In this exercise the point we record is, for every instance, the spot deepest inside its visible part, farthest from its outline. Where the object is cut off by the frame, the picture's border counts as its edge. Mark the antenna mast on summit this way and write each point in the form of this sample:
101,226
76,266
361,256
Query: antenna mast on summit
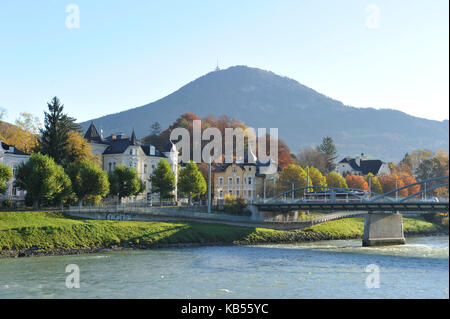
217,65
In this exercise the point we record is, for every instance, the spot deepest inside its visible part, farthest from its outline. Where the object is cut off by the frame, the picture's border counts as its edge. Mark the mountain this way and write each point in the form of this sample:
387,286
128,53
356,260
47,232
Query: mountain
303,116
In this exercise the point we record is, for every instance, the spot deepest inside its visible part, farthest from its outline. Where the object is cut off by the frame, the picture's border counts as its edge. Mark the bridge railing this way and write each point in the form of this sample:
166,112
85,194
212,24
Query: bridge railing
183,212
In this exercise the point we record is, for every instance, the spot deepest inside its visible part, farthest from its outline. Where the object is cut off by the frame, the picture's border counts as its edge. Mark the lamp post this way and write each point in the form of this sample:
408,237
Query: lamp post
209,185
396,191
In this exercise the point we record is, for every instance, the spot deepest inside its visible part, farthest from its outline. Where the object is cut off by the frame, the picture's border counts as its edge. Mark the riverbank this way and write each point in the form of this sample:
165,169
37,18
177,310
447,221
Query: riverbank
48,233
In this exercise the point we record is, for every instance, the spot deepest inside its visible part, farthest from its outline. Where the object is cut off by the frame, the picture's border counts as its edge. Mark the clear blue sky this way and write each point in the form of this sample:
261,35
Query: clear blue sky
129,53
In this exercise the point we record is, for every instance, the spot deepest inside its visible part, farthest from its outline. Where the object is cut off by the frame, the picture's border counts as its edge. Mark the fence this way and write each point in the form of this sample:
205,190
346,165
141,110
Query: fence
199,212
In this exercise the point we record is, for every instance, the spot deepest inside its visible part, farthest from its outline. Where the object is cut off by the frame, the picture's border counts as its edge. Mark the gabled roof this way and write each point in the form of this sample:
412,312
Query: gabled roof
365,166
146,150
8,149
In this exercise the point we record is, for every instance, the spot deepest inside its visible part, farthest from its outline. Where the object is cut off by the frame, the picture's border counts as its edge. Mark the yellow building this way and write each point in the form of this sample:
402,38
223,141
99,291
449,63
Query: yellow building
240,179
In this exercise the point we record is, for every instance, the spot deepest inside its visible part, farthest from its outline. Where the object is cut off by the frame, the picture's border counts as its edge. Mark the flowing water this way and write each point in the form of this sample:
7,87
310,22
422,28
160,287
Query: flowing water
327,269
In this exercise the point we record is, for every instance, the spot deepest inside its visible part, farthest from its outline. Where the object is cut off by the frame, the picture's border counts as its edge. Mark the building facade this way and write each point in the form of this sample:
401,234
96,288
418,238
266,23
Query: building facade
240,179
362,165
120,149
12,157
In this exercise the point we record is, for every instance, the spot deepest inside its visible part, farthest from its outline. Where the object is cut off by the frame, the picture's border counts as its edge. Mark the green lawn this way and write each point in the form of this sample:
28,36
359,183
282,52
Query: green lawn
354,227
49,231
45,231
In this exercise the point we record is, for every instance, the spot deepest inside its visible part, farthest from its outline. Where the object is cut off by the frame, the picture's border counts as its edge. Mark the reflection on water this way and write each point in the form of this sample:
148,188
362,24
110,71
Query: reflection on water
328,269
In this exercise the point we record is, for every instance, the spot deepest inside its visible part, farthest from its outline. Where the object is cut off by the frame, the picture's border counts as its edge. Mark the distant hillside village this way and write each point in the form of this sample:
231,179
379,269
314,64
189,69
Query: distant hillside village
240,179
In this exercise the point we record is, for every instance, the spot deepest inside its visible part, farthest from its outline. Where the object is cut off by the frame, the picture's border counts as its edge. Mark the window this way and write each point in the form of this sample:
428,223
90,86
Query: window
220,194
250,169
14,191
238,180
233,169
109,168
237,193
145,168
220,181
230,192
249,181
250,194
131,152
230,180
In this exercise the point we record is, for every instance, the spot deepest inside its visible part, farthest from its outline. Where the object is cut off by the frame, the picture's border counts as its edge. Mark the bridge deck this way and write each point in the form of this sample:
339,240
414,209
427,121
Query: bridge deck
360,206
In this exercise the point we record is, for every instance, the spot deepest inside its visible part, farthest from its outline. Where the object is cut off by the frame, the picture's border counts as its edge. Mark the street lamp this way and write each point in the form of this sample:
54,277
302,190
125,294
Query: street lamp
209,185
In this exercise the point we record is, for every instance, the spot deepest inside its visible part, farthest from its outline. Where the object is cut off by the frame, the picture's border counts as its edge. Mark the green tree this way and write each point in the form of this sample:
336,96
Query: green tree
42,178
329,149
5,175
55,134
124,182
88,180
163,180
336,180
191,182
317,178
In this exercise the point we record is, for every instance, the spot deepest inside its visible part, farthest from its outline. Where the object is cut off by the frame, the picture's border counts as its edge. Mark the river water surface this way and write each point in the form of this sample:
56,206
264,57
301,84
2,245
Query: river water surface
327,269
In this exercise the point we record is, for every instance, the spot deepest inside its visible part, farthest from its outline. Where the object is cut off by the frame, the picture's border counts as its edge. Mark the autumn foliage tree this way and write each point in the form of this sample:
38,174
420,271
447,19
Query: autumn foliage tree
293,176
317,178
356,182
391,182
374,183
406,179
336,180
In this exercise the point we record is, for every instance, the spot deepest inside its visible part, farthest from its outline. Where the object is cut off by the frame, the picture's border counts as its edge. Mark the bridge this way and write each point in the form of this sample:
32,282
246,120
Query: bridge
383,213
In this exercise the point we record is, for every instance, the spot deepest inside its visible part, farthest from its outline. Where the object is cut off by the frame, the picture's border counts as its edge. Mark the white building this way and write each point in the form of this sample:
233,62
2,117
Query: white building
12,157
362,165
120,149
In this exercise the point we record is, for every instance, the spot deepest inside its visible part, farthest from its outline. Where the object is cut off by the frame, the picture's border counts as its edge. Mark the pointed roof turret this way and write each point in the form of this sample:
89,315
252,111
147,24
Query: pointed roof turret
92,134
133,139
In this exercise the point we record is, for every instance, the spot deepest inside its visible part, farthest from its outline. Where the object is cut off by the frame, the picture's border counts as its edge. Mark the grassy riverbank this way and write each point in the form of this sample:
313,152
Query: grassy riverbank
41,233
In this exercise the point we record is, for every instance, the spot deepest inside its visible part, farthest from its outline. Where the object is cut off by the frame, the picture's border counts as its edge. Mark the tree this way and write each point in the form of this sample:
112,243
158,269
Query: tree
163,180
374,183
42,178
312,157
124,182
14,135
329,149
155,129
317,178
191,182
406,179
78,149
293,176
88,180
429,168
30,125
356,182
5,175
55,135
391,182
336,180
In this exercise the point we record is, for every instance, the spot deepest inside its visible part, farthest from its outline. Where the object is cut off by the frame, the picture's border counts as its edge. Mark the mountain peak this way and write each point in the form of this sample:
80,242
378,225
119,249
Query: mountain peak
263,99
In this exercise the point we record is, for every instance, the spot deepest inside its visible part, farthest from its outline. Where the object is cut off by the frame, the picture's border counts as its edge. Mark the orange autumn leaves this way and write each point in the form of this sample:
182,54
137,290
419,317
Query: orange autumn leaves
387,182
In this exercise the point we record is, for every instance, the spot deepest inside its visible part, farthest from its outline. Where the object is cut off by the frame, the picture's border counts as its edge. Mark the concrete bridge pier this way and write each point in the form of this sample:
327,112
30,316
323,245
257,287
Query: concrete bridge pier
382,228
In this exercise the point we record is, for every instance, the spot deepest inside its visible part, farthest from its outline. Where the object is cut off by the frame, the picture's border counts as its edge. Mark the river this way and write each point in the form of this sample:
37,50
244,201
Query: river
327,269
